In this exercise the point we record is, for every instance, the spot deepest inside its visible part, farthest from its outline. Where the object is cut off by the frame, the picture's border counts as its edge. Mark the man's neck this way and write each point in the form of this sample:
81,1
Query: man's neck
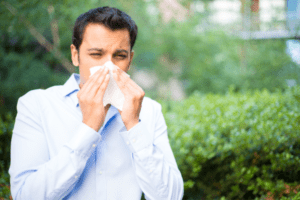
106,108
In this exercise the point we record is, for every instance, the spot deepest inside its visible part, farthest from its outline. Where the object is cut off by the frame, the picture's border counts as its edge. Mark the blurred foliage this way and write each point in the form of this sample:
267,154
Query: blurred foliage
6,127
212,61
24,70
240,146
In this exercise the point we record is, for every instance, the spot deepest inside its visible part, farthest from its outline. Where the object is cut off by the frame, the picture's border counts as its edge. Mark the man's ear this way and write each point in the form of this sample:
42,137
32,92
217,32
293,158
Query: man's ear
74,55
131,56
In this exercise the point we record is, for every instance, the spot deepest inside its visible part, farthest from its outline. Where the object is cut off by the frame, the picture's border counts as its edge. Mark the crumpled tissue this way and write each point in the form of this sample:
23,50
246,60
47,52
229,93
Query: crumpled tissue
113,94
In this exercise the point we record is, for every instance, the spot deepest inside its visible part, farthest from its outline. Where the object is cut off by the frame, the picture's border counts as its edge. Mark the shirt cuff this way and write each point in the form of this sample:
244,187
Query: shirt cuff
85,141
137,138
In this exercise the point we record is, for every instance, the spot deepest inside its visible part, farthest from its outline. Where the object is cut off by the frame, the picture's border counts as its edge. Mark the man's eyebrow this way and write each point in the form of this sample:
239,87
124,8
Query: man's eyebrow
121,50
95,49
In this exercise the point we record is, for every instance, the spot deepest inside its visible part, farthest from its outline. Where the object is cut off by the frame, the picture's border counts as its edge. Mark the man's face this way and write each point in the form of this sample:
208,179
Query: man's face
99,45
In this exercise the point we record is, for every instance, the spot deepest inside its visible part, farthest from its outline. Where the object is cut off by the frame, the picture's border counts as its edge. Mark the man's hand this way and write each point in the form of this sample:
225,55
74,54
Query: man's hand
133,94
90,99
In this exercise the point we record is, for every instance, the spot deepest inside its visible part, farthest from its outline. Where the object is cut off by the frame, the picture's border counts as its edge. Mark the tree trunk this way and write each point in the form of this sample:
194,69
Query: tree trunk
255,21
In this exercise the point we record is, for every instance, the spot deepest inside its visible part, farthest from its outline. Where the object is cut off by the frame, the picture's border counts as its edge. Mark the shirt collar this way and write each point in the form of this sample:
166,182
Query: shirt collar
71,87
112,111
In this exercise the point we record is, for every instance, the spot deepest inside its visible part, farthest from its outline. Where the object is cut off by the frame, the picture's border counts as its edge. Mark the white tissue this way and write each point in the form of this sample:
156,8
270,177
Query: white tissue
113,94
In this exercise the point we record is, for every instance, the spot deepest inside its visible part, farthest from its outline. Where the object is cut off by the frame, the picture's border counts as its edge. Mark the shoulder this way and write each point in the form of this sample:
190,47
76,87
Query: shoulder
150,104
151,115
30,96
39,96
150,110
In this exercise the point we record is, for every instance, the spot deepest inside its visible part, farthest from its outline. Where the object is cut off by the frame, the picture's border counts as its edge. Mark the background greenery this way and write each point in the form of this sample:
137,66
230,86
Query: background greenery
238,138
239,146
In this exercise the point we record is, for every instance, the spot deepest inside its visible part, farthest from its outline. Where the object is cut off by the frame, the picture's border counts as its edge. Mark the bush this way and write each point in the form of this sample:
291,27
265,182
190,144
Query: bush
24,70
240,146
6,126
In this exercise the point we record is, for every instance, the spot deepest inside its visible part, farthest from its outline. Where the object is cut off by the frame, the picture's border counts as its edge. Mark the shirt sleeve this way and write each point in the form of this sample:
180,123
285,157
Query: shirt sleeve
155,165
33,175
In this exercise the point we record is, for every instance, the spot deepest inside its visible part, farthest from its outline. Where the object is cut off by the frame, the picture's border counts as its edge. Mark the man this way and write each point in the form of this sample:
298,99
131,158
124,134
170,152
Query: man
67,145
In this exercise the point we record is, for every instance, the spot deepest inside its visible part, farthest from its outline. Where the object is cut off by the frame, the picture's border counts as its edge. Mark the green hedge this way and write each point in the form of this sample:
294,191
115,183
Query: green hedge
6,126
233,146
238,146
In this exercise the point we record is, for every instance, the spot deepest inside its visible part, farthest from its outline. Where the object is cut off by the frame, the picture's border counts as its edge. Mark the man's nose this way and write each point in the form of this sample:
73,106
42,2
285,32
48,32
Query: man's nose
107,58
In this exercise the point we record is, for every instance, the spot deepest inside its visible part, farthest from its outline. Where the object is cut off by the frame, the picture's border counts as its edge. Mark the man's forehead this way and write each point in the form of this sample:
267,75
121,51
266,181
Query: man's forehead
100,33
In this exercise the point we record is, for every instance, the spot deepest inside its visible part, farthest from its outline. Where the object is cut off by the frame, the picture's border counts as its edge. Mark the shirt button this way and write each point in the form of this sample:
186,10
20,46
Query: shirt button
76,177
150,170
100,172
94,145
133,140
127,143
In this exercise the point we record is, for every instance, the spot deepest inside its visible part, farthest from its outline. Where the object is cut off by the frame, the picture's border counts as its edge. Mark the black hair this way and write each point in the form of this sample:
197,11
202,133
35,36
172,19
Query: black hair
111,18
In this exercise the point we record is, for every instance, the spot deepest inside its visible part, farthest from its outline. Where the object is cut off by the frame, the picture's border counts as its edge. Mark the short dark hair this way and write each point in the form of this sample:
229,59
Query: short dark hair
111,18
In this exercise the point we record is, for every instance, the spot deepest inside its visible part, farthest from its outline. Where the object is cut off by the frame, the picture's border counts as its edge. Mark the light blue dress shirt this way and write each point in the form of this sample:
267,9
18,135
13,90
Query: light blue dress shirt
56,156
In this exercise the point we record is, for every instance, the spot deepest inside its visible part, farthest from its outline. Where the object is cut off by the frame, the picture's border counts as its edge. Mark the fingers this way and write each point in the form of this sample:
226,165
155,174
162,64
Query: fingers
92,85
125,83
121,80
101,90
128,81
88,85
